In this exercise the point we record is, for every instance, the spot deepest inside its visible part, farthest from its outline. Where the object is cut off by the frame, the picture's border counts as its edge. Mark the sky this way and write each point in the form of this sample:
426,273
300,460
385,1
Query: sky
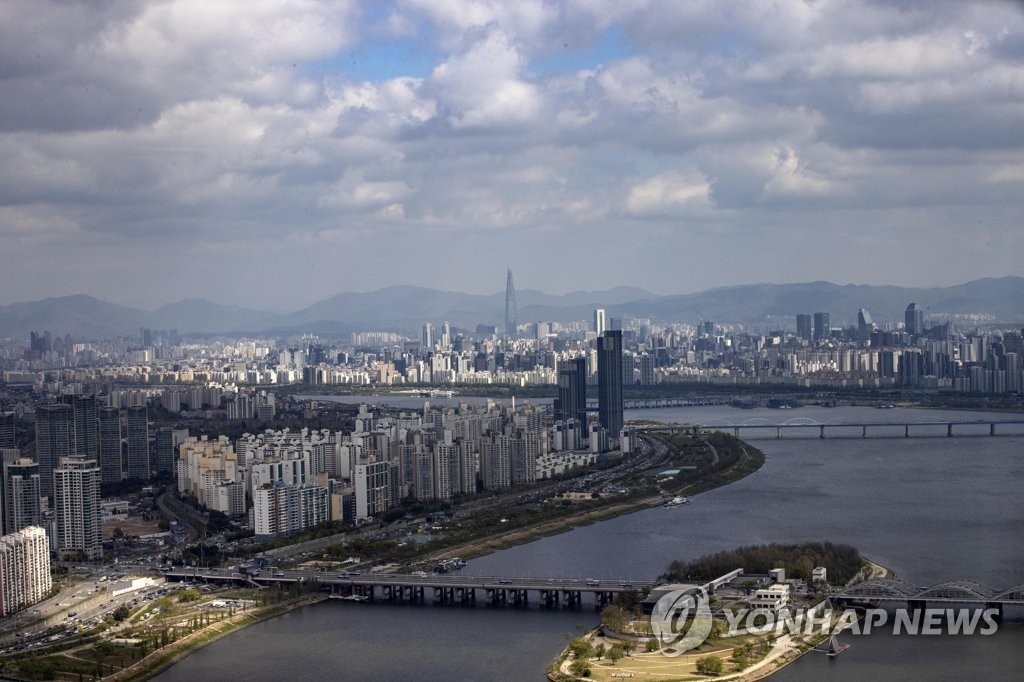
272,153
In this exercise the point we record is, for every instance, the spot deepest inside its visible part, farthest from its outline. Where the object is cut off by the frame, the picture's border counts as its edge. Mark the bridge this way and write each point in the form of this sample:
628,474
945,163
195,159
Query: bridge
433,588
958,592
655,403
909,428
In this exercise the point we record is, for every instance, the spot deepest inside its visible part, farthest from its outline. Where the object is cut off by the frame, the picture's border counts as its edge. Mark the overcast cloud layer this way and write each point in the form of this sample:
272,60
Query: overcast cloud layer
272,152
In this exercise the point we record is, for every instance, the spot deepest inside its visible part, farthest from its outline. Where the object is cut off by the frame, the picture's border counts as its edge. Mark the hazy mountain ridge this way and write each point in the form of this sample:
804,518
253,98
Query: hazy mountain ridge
408,307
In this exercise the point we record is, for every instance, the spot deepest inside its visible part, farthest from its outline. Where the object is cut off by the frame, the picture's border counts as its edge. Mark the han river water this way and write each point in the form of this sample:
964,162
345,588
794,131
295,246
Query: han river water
929,507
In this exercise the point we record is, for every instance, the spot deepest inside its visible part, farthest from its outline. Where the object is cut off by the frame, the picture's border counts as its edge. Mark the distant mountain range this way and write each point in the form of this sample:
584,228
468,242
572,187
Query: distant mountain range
406,308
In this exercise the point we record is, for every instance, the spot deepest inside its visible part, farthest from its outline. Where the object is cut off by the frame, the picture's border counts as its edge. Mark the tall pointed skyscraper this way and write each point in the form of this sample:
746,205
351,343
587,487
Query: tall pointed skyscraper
510,306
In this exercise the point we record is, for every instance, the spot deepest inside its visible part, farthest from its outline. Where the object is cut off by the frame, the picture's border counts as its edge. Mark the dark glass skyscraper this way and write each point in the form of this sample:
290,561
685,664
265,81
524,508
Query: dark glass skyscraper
8,437
913,320
572,391
138,443
804,328
609,381
53,441
822,326
110,444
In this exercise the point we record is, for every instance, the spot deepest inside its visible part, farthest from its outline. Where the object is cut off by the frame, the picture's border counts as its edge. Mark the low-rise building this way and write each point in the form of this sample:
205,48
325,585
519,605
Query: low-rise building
772,599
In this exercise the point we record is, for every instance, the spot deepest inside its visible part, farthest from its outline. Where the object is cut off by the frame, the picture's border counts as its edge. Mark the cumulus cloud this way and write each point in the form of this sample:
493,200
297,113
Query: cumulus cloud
669,194
201,130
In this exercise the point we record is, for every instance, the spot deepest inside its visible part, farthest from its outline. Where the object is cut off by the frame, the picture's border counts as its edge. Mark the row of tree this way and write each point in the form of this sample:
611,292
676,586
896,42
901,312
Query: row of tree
842,562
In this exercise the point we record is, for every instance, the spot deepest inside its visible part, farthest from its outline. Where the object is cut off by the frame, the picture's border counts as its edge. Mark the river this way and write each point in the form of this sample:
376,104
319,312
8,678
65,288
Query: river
931,508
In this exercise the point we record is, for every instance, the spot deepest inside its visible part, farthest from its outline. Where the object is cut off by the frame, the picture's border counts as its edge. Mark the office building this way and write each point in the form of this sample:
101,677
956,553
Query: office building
53,442
600,321
913,320
609,382
804,327
21,495
76,493
822,326
24,569
110,442
8,436
166,445
137,432
511,314
572,390
864,325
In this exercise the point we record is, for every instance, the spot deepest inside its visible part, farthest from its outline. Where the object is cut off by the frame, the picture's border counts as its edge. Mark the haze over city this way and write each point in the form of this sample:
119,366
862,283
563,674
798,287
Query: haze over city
270,155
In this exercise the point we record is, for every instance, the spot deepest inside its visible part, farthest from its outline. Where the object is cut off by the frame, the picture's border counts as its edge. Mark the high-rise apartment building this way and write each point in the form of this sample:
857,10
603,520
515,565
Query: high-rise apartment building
76,493
572,390
84,433
21,491
24,569
280,509
609,382
110,438
137,432
373,489
53,442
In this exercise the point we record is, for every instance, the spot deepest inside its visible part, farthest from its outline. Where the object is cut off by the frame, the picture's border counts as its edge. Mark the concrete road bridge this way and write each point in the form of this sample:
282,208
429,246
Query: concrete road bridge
433,588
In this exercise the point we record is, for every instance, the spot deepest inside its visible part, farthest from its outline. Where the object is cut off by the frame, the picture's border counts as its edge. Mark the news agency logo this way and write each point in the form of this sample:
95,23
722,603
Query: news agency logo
681,620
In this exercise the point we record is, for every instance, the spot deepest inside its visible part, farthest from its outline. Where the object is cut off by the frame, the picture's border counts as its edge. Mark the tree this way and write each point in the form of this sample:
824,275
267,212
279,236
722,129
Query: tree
579,668
615,617
581,648
709,665
615,653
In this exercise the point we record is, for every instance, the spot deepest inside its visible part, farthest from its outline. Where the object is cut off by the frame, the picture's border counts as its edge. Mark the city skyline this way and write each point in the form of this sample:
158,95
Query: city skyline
350,146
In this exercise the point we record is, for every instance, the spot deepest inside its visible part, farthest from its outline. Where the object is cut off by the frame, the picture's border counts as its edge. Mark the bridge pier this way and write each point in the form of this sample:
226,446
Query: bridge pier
949,430
736,432
864,432
496,597
573,598
550,598
992,429
906,430
822,431
602,599
778,433
520,598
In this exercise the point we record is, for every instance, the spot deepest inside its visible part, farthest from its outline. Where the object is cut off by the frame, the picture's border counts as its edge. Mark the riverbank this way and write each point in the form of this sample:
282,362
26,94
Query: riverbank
158,661
748,463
